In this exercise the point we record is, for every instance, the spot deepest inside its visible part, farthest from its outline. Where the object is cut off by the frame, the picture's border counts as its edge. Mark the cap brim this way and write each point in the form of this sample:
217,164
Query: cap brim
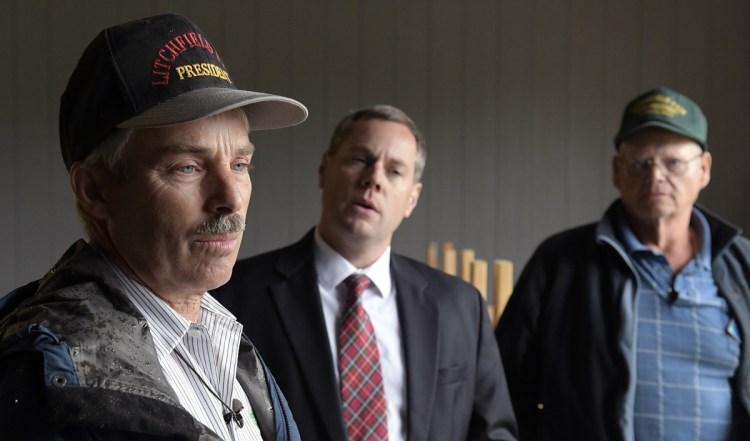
664,125
264,111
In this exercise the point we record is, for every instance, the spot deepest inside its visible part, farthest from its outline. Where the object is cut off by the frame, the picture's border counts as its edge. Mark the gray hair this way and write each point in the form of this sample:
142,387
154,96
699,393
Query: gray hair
110,155
383,112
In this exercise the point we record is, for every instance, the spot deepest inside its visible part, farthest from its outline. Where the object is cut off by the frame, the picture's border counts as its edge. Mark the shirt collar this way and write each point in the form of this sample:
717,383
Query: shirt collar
697,221
168,327
703,232
333,268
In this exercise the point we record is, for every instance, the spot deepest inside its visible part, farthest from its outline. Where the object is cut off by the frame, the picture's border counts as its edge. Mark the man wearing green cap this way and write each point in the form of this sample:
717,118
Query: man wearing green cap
636,327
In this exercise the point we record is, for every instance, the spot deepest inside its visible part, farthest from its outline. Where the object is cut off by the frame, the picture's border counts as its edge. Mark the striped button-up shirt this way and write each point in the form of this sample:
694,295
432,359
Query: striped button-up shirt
199,360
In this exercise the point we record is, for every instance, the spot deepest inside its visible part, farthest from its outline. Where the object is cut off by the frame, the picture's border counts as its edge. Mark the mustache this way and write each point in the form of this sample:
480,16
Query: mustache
233,223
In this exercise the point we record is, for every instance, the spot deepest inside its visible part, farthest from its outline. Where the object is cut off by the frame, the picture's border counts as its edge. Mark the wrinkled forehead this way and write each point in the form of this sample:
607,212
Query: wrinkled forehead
227,131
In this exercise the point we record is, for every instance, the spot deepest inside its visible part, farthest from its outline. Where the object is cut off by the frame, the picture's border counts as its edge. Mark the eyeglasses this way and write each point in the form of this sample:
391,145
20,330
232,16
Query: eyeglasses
669,166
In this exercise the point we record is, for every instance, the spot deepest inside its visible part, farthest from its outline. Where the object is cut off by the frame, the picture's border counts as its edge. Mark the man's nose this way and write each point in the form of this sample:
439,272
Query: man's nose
657,170
226,191
373,176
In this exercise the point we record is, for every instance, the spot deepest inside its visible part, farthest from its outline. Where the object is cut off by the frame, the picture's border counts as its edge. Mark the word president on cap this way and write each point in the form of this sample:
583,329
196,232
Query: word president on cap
120,340
636,327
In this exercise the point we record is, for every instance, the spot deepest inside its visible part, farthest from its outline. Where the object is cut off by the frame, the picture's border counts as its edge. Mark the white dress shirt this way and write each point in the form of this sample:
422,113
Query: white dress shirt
208,352
379,301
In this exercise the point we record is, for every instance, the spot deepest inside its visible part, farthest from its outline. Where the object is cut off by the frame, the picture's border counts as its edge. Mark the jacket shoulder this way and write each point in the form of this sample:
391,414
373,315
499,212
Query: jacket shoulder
259,264
575,236
273,264
742,245
409,266
419,272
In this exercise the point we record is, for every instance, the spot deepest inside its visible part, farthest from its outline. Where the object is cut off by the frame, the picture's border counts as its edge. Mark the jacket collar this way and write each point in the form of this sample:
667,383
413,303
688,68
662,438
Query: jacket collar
722,232
420,320
82,284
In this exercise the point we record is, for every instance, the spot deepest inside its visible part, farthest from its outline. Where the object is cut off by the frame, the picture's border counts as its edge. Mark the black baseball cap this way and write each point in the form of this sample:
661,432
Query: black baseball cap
155,72
665,108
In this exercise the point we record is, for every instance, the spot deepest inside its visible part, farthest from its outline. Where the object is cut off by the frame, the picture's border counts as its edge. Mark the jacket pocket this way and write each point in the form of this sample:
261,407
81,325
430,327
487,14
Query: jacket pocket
450,375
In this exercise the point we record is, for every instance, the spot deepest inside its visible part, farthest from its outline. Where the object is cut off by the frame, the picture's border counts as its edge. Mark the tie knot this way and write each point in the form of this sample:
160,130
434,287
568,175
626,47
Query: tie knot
356,284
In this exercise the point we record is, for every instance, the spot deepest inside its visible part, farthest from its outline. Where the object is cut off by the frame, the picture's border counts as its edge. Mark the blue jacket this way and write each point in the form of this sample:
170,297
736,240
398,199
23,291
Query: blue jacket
567,335
77,362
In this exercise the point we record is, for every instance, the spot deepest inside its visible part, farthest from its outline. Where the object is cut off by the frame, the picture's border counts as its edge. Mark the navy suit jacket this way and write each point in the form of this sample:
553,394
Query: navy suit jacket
456,388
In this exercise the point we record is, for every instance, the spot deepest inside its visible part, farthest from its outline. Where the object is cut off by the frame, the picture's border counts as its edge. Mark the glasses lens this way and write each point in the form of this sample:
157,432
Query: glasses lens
638,167
671,166
675,166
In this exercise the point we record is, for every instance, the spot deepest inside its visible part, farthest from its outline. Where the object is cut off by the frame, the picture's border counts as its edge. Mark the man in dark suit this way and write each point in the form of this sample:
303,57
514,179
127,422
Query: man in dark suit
437,371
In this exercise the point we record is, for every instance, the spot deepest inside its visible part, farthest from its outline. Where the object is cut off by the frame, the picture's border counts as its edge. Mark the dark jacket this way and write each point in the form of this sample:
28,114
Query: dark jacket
567,338
77,362
455,385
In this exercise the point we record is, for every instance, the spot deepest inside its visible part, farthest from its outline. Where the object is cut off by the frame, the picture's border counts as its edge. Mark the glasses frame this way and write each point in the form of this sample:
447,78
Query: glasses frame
674,167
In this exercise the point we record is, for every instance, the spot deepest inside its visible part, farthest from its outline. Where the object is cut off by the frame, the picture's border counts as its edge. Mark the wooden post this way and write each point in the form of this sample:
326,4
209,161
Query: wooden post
467,256
449,258
432,254
479,280
479,276
502,286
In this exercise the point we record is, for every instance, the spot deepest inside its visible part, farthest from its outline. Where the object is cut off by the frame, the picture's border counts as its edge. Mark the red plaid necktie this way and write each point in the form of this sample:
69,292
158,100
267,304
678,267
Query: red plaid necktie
362,396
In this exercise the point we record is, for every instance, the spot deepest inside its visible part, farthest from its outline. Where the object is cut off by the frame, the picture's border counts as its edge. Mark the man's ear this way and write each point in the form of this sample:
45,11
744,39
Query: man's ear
89,186
416,190
616,172
706,161
322,168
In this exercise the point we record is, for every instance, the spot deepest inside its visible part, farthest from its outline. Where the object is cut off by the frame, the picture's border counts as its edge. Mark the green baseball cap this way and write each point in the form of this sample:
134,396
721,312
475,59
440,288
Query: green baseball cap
665,108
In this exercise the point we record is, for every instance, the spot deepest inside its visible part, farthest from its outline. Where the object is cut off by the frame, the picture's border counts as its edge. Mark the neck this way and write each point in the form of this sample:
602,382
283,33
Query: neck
187,305
672,237
359,252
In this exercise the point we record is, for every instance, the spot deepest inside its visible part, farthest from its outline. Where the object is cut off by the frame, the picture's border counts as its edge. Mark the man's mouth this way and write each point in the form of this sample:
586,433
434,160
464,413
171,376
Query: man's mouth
366,205
226,241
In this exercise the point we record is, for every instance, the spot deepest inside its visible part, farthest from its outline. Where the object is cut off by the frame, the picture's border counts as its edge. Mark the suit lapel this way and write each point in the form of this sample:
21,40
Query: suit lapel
298,302
418,316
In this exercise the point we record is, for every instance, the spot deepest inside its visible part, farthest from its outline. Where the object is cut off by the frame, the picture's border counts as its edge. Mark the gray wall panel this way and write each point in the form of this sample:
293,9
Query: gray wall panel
519,101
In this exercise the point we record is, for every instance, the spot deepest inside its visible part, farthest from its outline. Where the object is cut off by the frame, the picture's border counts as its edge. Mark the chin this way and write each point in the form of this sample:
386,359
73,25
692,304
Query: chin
213,284
212,277
654,215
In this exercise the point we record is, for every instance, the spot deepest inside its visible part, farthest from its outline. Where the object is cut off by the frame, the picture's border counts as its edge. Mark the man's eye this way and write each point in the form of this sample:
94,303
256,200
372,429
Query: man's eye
187,169
242,166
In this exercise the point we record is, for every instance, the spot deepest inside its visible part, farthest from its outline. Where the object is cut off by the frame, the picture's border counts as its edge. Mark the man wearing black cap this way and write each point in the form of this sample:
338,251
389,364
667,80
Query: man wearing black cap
120,340
636,327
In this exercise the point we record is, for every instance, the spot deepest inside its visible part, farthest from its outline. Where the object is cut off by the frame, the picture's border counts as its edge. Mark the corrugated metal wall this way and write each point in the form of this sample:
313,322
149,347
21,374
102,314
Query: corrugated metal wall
519,100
